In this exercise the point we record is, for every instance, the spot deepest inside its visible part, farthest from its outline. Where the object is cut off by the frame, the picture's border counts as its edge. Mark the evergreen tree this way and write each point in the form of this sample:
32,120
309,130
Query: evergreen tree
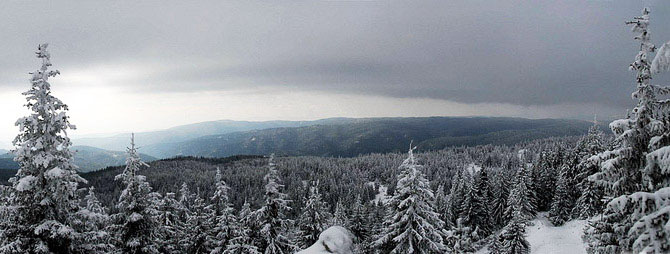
272,221
359,223
224,219
171,228
457,196
476,205
198,228
442,203
460,238
241,243
521,199
134,226
340,217
636,171
44,188
499,202
589,202
514,236
560,207
91,221
314,218
545,173
414,227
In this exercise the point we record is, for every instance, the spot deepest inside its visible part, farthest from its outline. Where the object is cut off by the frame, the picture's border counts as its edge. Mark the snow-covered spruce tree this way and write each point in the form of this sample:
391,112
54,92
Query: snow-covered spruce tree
567,191
499,201
545,172
171,228
589,202
241,243
44,196
314,218
414,227
496,244
521,199
223,219
636,170
186,199
514,236
560,207
359,224
272,221
198,228
91,221
457,196
476,205
134,224
459,239
441,203
340,217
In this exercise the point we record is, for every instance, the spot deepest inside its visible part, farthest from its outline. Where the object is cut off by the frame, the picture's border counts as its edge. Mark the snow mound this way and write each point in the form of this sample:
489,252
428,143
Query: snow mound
335,239
545,238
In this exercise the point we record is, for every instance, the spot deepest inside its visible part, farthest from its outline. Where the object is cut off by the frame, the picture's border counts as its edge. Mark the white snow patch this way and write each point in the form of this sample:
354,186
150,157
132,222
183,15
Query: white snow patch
473,168
545,238
25,183
335,239
381,195
54,172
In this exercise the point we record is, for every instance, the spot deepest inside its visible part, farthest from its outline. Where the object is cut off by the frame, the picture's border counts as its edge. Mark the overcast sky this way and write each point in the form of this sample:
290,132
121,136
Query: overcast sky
145,65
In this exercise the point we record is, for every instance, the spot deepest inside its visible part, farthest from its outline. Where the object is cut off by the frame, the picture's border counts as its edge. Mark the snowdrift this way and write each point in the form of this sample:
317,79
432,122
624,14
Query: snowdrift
335,239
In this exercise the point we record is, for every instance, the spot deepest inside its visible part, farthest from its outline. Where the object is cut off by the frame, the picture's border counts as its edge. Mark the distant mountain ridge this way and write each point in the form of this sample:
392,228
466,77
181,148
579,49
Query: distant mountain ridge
86,158
371,135
119,142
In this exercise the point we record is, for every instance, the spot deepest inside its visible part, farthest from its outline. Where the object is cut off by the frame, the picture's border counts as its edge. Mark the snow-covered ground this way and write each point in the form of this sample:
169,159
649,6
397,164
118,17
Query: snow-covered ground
544,238
335,239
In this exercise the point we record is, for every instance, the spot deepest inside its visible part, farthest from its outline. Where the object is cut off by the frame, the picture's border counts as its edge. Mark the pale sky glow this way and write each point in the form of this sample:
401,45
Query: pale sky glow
147,65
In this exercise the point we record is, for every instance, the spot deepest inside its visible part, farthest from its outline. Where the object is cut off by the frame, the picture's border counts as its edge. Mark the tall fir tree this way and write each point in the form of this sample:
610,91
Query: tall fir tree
457,196
223,218
476,205
560,207
91,222
314,218
359,224
134,224
499,201
43,197
514,236
413,227
635,172
241,241
589,202
340,217
272,235
198,228
172,226
460,239
521,199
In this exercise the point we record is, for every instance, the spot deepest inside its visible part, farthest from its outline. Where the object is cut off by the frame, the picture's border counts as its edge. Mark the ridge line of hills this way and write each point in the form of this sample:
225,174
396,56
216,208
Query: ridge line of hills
334,137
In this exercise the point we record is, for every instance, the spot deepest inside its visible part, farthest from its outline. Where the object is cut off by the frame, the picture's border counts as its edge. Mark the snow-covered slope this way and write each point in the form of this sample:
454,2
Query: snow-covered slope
545,238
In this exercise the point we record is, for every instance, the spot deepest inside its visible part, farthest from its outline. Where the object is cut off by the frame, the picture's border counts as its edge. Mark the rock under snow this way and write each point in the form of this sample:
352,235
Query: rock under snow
335,239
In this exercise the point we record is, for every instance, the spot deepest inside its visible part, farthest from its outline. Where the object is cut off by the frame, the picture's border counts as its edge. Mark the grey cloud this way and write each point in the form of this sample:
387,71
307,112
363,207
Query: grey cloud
518,52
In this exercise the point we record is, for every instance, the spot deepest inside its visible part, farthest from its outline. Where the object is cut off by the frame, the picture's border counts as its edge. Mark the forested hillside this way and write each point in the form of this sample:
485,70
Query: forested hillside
119,142
374,135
